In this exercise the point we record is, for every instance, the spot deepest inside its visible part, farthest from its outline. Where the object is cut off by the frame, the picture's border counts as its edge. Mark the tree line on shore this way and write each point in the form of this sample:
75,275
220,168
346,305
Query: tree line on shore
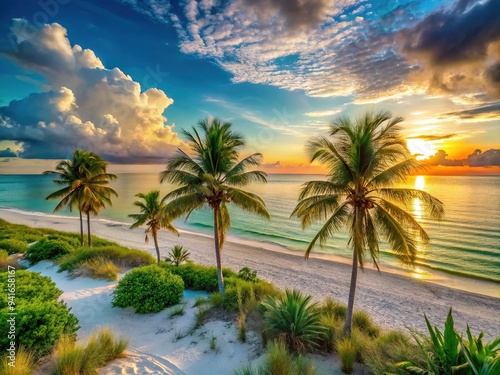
364,158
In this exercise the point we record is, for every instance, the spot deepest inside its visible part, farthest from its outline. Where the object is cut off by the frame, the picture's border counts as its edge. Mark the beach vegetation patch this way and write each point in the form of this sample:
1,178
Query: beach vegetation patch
247,274
13,246
148,289
122,257
69,358
178,255
294,319
47,249
347,352
197,276
98,268
363,321
24,365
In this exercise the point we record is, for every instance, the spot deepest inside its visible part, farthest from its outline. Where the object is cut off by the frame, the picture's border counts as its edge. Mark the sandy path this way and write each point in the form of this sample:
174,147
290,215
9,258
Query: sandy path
393,300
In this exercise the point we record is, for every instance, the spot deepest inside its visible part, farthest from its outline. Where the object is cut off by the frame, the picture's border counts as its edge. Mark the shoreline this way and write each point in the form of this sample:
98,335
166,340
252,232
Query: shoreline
426,273
394,300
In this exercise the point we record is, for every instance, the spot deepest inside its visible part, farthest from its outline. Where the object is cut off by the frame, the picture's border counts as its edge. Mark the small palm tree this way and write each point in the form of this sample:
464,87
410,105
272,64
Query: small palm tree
178,255
154,214
365,159
213,177
85,178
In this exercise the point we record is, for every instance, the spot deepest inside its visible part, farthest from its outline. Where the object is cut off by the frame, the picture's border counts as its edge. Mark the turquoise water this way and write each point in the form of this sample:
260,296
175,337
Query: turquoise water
465,242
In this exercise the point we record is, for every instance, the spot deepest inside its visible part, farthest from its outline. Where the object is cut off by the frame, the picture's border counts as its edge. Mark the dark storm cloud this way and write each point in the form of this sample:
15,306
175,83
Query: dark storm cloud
459,35
432,137
7,153
297,14
488,158
491,111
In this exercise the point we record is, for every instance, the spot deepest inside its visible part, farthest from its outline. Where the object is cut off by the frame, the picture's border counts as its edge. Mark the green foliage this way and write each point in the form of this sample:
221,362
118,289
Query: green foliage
347,352
120,256
30,287
247,274
197,276
483,359
444,356
72,239
3,254
148,289
176,311
242,326
100,268
41,319
101,348
178,255
25,363
294,319
363,321
13,246
388,349
199,317
47,249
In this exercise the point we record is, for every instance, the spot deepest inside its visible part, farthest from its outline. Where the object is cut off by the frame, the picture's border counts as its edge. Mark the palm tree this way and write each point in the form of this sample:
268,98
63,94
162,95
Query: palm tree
154,214
213,177
85,178
178,255
365,159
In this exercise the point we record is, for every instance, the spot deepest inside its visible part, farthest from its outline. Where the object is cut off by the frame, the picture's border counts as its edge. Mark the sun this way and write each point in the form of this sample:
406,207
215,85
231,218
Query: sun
421,148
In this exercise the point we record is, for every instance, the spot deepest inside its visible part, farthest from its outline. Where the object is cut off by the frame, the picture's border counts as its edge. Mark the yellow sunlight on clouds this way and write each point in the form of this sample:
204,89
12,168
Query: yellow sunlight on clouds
421,148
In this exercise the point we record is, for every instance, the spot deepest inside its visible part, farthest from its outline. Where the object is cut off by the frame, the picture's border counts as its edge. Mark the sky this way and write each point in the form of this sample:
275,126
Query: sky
123,78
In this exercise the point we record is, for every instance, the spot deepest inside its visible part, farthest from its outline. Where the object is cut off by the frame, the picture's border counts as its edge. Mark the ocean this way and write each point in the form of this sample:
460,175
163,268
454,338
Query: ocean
466,242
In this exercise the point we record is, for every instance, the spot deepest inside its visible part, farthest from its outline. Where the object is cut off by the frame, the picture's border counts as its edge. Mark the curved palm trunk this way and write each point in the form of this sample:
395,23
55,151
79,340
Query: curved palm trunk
352,291
157,247
220,279
88,230
81,228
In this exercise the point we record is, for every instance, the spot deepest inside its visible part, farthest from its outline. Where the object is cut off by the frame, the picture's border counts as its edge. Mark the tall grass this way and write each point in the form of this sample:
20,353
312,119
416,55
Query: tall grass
98,268
24,364
347,352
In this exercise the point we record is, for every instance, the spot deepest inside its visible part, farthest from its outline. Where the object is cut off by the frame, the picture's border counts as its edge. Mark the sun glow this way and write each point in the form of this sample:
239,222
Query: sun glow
420,148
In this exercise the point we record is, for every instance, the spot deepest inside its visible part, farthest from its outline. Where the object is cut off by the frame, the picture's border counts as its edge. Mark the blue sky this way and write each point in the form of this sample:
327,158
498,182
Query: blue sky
123,77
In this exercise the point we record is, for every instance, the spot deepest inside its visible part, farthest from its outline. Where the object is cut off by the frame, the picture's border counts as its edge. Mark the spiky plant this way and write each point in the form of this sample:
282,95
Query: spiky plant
178,255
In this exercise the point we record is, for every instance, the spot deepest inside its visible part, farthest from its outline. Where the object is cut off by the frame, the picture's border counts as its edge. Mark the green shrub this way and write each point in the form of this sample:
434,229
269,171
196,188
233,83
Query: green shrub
38,325
347,352
13,246
98,268
3,254
73,239
294,319
47,249
148,289
247,274
121,256
30,287
197,276
24,365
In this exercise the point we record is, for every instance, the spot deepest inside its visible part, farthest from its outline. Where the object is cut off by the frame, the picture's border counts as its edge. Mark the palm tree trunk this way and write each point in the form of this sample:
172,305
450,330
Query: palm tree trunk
88,230
155,238
81,228
220,279
352,291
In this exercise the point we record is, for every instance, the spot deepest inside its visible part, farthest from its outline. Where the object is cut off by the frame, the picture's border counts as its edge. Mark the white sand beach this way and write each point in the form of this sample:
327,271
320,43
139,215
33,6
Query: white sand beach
393,300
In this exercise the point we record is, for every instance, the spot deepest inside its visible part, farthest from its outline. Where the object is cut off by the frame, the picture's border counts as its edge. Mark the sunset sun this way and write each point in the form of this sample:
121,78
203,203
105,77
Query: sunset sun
421,148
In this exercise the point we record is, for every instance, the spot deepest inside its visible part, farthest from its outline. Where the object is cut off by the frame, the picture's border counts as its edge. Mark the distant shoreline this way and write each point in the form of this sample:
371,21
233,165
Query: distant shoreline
393,299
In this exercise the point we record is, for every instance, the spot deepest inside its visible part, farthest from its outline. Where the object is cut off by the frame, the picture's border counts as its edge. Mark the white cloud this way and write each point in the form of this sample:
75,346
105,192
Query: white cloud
86,105
331,112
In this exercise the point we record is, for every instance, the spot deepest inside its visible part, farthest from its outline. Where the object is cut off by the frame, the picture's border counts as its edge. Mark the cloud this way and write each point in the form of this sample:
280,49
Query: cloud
85,105
7,153
489,158
458,50
156,9
432,137
331,112
271,165
485,113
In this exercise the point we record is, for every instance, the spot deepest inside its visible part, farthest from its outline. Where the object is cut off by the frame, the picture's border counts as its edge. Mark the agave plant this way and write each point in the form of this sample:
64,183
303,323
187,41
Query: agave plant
178,255
482,358
444,357
293,319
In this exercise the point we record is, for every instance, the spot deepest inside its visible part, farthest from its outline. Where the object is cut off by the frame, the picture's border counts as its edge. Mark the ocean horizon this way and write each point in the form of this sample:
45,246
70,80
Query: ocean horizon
466,242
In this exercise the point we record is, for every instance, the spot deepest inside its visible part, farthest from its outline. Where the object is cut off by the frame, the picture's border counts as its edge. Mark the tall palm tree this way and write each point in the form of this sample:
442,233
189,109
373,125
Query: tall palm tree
154,214
365,159
213,176
85,178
